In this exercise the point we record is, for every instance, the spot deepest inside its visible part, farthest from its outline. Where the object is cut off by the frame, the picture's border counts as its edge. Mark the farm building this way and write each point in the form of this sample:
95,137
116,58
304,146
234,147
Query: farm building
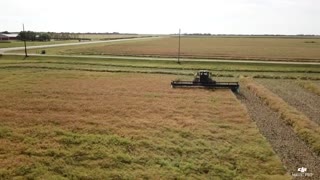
3,37
6,37
12,36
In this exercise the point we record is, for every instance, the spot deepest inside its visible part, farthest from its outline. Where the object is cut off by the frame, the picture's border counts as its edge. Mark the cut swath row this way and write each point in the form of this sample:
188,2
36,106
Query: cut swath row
311,87
305,128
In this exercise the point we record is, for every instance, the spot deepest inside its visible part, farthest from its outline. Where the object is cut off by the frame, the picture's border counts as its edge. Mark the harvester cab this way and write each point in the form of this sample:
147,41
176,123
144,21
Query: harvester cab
203,79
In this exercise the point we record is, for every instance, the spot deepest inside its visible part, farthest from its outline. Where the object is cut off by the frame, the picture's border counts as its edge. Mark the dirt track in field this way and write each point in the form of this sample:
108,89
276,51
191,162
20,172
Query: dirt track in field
293,152
303,100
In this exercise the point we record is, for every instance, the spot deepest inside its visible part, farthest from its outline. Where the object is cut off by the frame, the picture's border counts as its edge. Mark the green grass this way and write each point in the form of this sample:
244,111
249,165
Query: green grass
225,69
31,43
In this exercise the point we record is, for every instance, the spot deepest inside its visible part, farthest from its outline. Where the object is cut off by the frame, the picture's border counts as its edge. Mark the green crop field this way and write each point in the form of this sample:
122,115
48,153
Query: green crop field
243,48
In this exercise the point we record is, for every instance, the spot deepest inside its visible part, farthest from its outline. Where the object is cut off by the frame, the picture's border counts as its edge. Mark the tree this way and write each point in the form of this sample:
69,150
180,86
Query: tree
27,35
33,36
44,37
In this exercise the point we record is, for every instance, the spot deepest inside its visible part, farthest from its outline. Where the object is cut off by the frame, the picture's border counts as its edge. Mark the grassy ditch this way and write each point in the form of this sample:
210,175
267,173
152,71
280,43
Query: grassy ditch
224,69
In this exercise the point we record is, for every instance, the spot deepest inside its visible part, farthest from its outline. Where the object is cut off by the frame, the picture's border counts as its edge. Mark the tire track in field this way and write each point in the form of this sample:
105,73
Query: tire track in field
293,152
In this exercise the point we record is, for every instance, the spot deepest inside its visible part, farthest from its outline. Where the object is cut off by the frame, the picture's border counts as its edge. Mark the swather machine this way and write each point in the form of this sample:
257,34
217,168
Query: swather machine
203,79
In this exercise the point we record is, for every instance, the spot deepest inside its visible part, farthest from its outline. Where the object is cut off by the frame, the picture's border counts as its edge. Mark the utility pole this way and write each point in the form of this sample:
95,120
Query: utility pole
179,46
25,43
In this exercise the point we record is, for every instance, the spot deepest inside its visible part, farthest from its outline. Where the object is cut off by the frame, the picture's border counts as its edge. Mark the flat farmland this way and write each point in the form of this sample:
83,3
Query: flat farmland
92,37
108,36
76,124
109,118
232,48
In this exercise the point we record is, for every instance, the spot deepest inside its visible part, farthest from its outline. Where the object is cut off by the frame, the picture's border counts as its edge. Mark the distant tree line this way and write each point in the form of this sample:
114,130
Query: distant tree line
198,34
33,36
109,33
251,35
64,36
47,36
40,36
101,33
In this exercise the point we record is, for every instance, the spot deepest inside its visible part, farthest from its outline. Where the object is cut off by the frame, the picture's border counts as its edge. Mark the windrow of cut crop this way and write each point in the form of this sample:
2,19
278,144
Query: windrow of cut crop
306,129
311,87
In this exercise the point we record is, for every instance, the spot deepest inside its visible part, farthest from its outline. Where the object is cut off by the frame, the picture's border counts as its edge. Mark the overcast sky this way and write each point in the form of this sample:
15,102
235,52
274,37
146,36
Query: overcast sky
163,16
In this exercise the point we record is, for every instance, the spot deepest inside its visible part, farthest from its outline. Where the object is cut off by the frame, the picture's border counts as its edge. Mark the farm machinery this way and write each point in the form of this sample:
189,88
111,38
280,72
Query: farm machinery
203,79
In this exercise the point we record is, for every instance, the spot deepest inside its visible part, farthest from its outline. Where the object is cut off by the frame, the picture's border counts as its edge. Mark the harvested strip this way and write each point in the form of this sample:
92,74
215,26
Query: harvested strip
293,152
296,96
306,129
